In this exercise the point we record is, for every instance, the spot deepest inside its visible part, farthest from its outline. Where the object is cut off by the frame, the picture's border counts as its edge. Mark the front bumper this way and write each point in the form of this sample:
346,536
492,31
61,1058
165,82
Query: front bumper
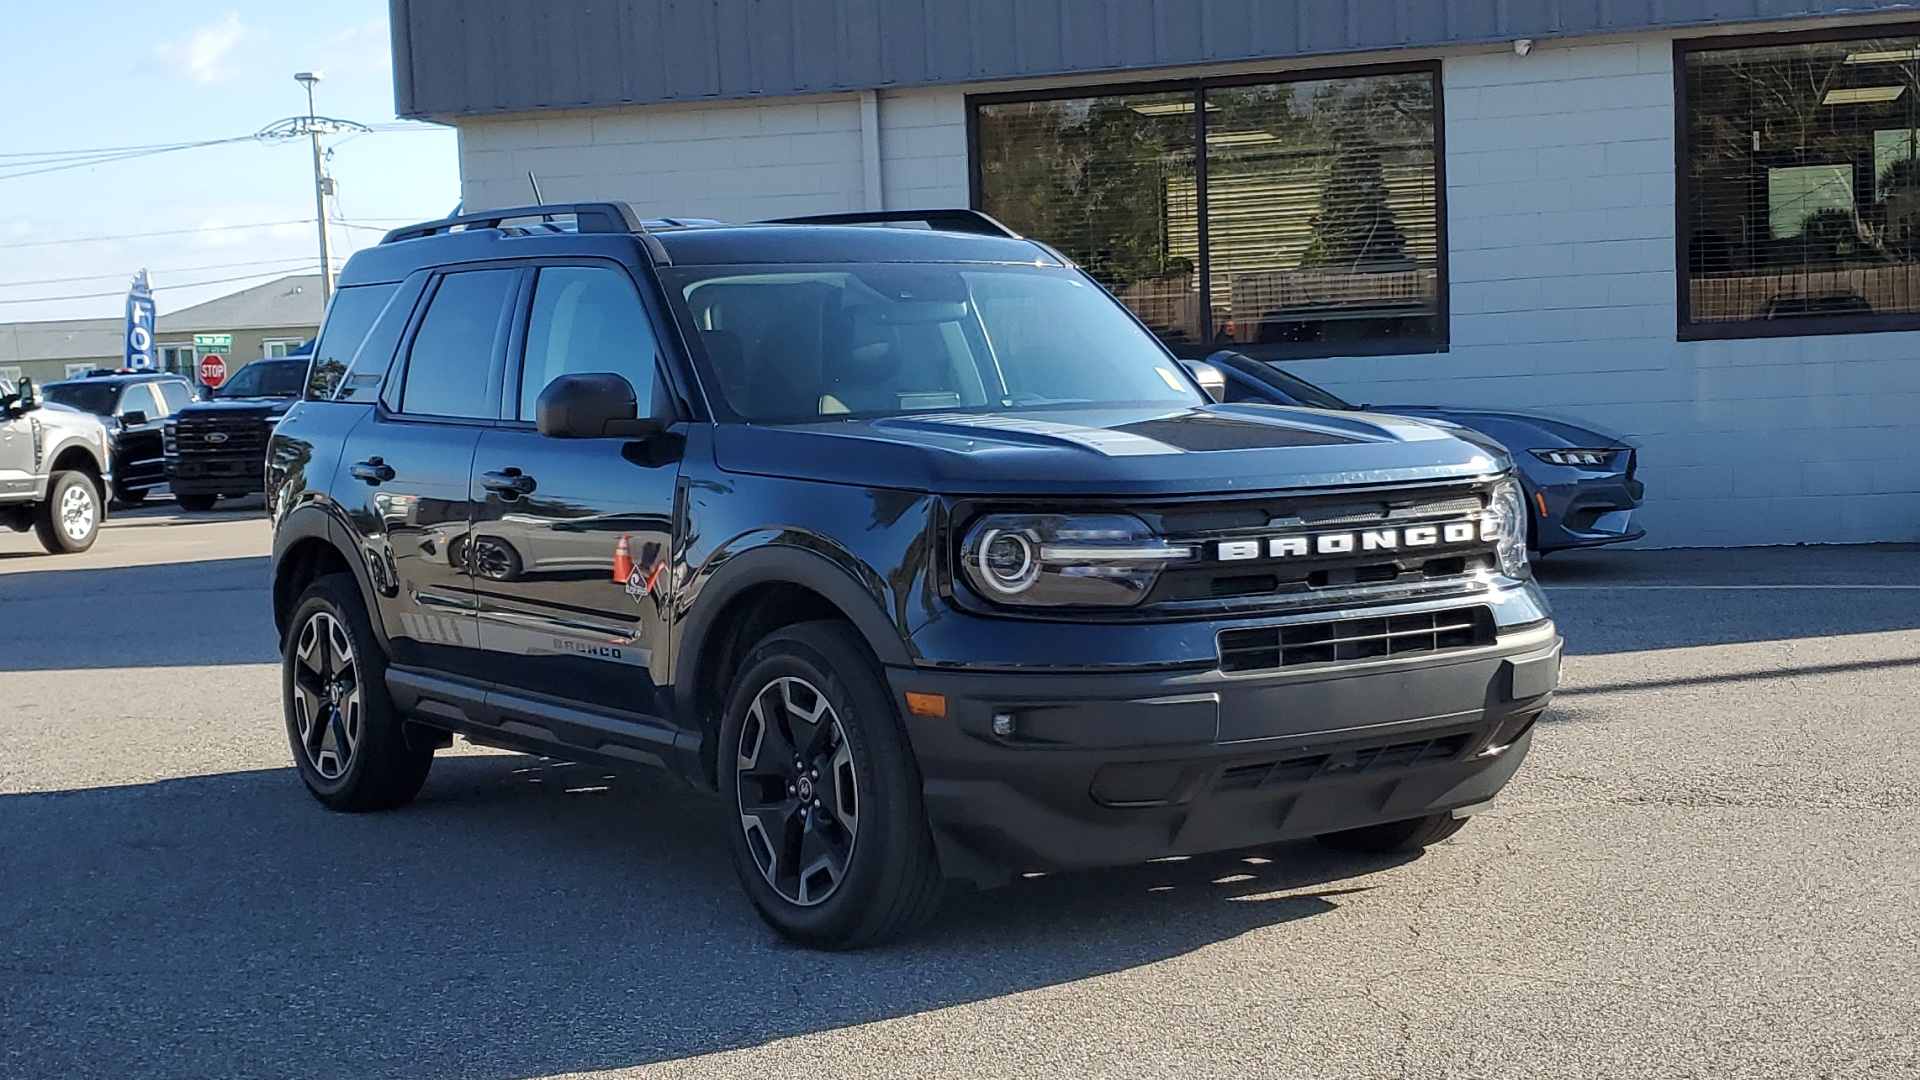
1110,769
229,476
1584,509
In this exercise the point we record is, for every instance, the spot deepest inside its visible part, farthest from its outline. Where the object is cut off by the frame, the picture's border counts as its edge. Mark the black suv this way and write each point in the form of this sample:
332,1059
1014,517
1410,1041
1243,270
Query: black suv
135,406
214,449
912,543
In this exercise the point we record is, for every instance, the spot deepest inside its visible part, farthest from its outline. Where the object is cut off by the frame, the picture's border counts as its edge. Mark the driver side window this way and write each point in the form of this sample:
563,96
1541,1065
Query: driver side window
586,318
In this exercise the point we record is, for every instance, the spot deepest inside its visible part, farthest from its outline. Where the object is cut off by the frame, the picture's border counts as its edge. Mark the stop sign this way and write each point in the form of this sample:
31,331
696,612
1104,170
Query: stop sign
213,371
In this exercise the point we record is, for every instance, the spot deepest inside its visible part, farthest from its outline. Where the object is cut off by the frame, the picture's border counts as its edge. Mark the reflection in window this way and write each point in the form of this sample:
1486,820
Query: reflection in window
1803,182
1110,182
1321,208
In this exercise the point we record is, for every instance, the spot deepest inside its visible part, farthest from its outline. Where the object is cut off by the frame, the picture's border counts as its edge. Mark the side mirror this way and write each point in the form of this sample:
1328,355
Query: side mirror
595,405
132,419
1210,378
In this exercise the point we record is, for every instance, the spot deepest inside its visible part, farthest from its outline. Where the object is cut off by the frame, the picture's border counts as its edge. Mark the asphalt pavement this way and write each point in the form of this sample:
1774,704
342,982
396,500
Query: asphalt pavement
1707,868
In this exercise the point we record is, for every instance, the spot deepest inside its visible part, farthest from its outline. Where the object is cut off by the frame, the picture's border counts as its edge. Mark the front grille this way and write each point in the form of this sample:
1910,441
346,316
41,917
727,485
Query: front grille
1209,524
1380,637
1342,762
243,435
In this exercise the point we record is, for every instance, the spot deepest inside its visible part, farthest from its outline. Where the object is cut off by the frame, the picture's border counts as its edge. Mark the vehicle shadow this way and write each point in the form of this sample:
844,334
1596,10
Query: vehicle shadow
172,614
522,918
1615,601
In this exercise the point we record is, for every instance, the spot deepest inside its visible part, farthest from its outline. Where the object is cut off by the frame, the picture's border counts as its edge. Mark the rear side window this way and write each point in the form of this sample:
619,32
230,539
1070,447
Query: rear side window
586,318
450,365
349,318
176,395
139,398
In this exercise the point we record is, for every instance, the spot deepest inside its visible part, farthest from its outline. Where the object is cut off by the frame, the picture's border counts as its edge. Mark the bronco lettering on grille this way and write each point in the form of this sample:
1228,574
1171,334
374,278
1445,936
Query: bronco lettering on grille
1362,541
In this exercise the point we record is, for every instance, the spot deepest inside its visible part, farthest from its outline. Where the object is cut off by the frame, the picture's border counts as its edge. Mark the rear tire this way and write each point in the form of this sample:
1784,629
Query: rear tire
69,520
196,503
348,740
822,794
1397,837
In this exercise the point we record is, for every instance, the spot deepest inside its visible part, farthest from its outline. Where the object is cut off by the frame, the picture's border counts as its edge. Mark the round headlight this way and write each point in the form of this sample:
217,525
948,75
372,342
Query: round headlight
1009,562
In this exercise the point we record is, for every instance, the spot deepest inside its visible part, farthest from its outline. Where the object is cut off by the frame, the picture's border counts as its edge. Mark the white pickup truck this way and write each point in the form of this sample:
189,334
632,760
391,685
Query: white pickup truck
54,469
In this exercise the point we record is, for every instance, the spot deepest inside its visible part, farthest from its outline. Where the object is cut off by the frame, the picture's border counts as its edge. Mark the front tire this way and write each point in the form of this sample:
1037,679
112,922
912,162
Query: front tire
829,833
1397,837
69,520
196,503
347,739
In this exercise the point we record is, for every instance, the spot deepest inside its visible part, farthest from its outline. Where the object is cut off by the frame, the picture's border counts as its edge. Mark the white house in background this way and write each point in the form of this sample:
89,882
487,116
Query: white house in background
1697,223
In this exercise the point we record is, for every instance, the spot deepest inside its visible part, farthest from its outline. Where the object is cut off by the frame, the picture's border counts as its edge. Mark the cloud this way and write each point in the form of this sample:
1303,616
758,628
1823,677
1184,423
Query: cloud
364,48
200,54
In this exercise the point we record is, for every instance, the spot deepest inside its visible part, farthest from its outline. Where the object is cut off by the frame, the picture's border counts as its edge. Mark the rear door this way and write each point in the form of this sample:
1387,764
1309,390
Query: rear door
139,418
573,537
404,475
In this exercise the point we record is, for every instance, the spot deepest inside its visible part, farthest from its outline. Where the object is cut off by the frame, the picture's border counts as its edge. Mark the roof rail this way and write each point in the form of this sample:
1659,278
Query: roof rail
588,217
962,221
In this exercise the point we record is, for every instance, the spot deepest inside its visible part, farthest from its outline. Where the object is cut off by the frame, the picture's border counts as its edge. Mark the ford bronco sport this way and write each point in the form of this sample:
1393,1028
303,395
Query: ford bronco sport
911,543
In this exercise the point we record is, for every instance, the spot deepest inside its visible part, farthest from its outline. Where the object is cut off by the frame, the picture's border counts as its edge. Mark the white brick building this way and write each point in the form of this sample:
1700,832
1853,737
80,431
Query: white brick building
1781,408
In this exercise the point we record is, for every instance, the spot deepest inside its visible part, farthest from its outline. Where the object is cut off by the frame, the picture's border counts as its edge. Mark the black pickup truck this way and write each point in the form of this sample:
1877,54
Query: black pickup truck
912,544
217,448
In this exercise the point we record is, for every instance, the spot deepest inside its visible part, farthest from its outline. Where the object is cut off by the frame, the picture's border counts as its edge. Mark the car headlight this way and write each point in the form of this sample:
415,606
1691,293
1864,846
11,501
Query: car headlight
1506,524
1062,560
1579,459
167,444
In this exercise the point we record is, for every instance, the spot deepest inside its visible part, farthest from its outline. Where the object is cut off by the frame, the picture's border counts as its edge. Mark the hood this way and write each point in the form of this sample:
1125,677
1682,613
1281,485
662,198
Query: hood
1545,431
58,417
261,406
1214,449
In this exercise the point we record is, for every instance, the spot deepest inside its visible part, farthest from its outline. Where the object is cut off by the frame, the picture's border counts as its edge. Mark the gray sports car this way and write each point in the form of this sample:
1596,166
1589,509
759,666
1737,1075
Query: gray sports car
1580,486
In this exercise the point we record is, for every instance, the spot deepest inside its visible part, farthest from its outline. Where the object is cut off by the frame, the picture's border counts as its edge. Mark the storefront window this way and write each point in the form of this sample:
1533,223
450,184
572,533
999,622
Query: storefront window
1310,226
1801,191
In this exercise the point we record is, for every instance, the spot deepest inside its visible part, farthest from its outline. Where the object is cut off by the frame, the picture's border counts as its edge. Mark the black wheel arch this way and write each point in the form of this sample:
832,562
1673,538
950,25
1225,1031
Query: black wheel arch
307,546
751,595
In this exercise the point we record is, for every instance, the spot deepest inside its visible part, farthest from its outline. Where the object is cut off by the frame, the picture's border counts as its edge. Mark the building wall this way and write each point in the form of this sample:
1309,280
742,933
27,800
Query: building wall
1560,203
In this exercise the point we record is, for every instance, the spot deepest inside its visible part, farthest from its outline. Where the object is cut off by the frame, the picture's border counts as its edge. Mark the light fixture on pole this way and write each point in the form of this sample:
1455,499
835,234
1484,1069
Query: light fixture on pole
313,127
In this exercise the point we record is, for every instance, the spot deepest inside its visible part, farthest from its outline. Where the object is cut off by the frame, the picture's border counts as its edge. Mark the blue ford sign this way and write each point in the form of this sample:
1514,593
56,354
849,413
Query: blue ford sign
140,324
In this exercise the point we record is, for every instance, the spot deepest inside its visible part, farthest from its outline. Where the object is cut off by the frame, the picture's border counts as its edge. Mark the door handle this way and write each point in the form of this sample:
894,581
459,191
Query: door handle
373,471
508,483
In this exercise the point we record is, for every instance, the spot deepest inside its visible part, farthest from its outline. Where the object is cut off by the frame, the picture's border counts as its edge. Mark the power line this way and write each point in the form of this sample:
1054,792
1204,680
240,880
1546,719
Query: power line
54,155
173,270
288,271
39,168
204,228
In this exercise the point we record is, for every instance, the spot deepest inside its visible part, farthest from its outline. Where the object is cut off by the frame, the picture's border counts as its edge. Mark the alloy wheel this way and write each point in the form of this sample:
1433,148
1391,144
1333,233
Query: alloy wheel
327,709
77,512
799,797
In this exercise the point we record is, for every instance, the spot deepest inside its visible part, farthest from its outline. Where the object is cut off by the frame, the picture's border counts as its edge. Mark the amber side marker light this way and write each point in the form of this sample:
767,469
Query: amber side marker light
1541,498
934,705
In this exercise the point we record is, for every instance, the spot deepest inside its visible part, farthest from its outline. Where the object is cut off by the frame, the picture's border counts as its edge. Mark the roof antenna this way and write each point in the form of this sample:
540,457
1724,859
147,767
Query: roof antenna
534,181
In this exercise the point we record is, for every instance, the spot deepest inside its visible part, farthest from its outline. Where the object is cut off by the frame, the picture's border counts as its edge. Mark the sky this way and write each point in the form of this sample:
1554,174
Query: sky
109,74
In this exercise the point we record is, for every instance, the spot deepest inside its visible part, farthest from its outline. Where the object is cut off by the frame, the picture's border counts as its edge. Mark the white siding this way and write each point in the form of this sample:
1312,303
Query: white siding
735,162
1560,187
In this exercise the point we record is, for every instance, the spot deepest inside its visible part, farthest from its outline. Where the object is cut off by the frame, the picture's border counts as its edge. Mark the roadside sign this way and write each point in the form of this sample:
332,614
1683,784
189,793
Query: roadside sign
213,371
213,343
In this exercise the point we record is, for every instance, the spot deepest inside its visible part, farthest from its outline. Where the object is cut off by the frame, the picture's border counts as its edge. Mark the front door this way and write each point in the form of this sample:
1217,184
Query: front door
16,454
404,476
140,461
573,538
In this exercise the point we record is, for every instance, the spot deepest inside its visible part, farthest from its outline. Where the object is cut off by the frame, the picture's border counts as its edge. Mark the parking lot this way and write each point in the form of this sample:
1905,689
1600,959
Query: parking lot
1707,868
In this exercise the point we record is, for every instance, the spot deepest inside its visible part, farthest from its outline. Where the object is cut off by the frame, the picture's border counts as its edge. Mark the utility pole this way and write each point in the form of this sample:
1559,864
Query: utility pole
322,187
313,126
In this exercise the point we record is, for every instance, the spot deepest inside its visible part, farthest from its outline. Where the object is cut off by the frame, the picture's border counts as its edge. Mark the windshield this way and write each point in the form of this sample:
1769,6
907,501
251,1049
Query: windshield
266,378
1305,392
788,344
96,398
